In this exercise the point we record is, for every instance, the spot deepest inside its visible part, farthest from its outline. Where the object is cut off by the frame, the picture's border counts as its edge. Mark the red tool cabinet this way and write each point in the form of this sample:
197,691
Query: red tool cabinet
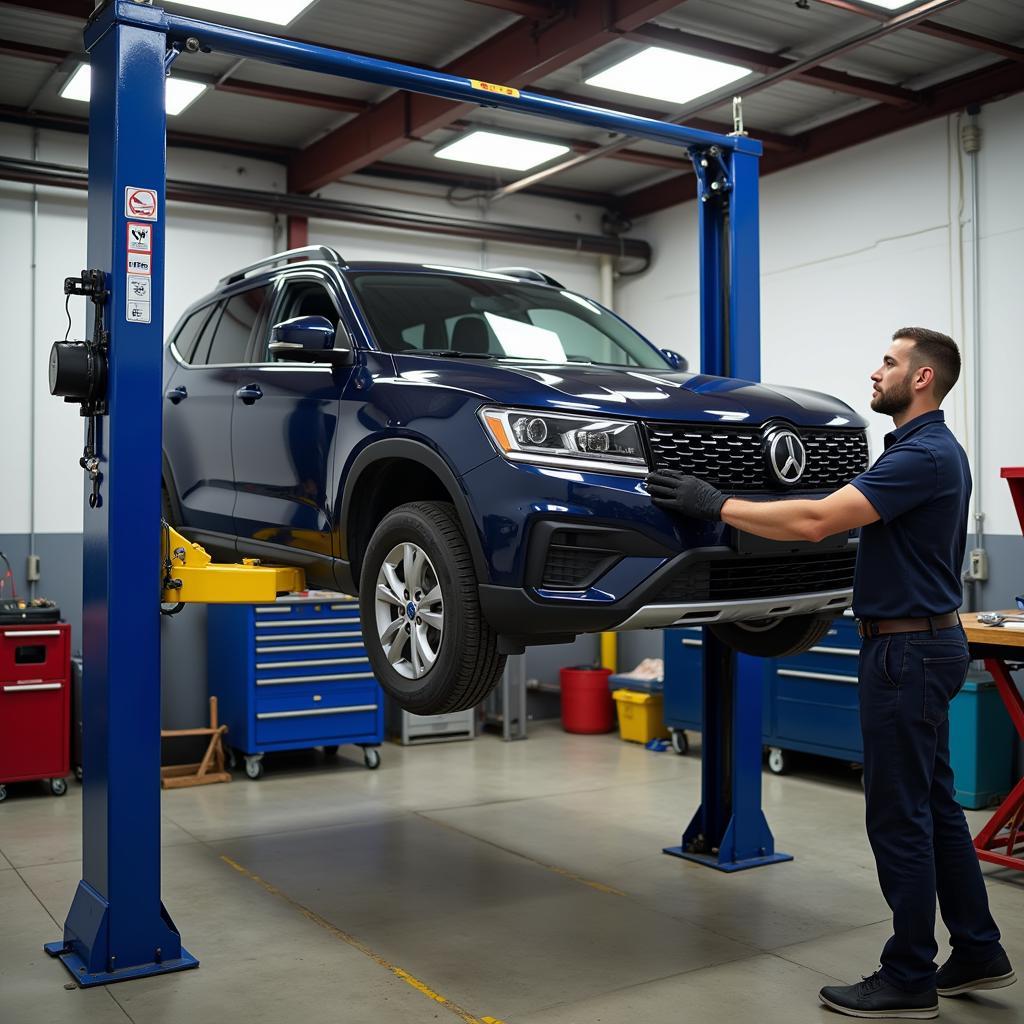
35,704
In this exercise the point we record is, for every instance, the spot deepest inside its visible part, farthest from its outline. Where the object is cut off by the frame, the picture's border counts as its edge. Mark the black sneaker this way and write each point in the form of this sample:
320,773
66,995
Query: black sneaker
875,997
956,977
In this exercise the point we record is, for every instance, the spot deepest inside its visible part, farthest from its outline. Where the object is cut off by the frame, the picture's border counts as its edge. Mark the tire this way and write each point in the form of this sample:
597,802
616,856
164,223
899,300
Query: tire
773,638
444,668
371,758
680,742
58,787
254,768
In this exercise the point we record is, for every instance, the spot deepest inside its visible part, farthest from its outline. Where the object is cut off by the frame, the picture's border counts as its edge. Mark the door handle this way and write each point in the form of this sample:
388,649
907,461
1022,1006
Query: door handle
249,393
175,395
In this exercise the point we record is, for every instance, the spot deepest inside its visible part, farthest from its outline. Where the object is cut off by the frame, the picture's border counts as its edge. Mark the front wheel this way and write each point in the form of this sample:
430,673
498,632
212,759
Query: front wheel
431,649
773,638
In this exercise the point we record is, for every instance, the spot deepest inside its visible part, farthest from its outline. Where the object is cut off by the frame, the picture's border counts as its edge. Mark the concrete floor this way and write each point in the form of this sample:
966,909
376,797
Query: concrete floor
480,882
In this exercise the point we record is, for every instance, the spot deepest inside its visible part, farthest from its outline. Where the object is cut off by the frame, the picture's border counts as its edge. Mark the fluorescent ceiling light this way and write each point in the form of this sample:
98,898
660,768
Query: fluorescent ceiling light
178,92
274,12
667,75
494,150
890,5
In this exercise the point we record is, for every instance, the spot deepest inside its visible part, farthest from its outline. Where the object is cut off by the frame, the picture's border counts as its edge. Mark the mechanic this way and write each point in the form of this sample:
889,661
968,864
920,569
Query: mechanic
912,506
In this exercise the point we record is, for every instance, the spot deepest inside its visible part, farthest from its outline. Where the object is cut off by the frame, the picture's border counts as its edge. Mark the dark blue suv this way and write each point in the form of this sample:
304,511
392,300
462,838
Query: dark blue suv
465,451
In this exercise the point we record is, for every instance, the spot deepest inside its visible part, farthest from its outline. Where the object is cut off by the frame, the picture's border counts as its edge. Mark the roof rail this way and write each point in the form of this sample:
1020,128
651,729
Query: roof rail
307,252
527,274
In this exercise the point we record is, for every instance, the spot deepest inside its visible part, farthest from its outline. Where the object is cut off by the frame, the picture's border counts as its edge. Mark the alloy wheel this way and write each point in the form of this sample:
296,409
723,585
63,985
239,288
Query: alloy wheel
409,610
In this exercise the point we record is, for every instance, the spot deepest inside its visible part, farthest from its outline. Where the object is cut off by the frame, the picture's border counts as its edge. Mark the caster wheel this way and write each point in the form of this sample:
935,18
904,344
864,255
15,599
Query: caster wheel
78,773
778,761
331,749
230,761
58,787
680,743
3,793
254,767
371,758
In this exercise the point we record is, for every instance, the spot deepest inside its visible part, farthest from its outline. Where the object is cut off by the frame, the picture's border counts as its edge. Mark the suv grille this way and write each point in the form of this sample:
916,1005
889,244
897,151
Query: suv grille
734,457
736,579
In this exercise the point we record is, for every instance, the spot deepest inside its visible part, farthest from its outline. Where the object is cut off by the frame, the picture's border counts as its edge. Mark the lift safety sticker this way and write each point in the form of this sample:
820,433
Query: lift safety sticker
140,263
140,237
140,203
501,90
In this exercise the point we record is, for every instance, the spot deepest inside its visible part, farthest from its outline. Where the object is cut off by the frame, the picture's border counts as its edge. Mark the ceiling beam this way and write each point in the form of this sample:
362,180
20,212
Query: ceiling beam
940,31
991,83
516,56
764,62
536,9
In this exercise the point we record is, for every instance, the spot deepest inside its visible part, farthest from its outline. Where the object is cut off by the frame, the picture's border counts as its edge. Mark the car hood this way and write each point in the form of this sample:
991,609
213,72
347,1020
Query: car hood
664,395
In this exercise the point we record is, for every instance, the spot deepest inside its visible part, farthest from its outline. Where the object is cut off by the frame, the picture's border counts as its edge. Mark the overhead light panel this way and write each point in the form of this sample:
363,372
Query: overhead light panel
667,75
178,92
494,150
274,12
890,5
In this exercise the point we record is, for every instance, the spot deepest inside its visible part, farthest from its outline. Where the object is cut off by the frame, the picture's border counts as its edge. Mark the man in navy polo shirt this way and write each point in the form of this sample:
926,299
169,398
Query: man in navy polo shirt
912,508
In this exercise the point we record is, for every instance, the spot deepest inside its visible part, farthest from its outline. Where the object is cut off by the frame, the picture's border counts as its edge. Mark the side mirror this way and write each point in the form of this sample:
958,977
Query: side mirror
675,360
307,339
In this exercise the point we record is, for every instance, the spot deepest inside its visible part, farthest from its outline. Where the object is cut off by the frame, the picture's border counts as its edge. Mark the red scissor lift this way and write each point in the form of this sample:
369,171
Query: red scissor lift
1002,838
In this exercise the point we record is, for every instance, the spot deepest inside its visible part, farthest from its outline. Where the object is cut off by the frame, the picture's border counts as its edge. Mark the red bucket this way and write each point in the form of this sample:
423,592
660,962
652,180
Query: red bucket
587,706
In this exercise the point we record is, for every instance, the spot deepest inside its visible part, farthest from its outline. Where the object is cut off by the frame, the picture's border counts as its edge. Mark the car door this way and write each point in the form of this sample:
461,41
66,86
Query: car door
198,405
283,435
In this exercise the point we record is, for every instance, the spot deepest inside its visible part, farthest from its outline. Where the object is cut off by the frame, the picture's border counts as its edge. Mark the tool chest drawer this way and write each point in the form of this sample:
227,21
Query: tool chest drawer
34,652
293,674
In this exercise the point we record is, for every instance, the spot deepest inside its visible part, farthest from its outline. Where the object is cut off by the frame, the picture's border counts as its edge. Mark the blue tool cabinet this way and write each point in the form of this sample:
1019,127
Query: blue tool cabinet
293,674
810,699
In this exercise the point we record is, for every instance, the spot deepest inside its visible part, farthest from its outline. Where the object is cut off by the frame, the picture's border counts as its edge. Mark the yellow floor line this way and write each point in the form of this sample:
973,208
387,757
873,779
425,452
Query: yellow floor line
351,940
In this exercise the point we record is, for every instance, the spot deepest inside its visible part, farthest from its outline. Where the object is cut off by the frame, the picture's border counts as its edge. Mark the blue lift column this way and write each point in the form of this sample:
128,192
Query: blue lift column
729,831
117,927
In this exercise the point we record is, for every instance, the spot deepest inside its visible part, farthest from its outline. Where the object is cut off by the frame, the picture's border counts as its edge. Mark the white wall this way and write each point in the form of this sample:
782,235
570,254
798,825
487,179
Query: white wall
203,243
858,244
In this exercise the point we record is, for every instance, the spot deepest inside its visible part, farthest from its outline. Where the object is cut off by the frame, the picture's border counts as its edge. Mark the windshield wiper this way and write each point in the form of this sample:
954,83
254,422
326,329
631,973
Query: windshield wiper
449,353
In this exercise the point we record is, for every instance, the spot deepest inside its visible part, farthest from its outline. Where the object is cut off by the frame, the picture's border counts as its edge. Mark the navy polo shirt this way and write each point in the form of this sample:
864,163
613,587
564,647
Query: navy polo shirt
909,562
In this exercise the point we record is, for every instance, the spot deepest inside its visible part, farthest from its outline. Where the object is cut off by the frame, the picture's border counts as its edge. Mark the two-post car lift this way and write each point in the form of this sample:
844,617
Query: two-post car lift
117,927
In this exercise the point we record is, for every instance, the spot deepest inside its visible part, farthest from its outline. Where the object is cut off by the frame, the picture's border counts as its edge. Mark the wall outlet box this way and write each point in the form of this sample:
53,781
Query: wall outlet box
978,567
32,568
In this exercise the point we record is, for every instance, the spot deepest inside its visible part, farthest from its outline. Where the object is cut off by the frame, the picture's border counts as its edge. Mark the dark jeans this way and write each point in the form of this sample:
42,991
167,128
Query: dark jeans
918,832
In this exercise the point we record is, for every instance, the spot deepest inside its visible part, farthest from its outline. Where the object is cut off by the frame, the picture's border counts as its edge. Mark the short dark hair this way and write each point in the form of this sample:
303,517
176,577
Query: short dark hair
936,350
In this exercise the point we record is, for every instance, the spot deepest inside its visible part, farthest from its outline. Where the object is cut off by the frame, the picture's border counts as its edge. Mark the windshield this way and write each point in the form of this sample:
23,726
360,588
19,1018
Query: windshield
493,318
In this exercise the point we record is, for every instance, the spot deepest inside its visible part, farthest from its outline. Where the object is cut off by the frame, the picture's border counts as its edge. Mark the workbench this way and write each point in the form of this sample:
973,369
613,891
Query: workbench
1001,840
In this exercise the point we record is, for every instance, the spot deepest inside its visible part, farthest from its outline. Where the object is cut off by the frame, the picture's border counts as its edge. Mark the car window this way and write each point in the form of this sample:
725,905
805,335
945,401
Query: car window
488,316
187,338
231,336
299,298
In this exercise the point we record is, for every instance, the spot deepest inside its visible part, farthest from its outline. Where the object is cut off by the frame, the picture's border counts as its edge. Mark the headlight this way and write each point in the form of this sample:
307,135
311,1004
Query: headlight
577,442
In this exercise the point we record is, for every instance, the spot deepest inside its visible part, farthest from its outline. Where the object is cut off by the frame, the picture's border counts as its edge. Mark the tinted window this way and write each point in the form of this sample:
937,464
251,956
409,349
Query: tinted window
231,337
504,319
187,338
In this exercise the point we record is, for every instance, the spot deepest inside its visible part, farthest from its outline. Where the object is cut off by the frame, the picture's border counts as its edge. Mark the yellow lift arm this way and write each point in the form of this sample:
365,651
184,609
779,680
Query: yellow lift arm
190,576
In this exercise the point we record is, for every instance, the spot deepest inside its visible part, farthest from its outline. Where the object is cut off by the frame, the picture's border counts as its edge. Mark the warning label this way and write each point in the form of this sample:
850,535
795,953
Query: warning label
140,203
138,312
140,237
140,263
500,90
139,288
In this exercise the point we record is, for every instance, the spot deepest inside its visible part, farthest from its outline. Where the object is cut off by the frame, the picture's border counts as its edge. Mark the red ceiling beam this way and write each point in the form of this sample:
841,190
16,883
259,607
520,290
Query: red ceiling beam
764,62
1003,79
938,30
515,56
24,51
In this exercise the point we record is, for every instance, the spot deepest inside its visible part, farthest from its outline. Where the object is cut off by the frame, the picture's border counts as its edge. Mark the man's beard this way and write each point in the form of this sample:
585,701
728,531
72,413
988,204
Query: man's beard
896,400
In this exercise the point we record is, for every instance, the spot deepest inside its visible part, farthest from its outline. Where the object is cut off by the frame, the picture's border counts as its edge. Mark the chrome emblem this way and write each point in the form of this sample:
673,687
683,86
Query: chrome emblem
786,456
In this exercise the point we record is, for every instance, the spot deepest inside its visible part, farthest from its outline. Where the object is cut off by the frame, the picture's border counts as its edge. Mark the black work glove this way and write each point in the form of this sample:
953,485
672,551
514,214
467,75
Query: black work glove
685,495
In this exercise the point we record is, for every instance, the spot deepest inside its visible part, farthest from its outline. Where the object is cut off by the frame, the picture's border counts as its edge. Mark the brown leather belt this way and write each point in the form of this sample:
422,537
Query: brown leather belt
878,627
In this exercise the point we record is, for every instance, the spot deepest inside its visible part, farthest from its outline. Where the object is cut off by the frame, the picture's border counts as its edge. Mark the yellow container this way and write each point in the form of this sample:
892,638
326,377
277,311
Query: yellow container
641,716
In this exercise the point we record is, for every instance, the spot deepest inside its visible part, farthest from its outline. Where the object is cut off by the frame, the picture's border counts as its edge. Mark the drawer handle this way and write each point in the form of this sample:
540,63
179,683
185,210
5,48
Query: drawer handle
32,687
263,638
305,647
306,663
827,676
313,679
849,652
316,711
308,622
687,642
273,609
15,634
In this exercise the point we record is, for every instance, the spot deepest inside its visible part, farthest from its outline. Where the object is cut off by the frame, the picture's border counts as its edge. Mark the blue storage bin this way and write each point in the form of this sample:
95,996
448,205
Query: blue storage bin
981,743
